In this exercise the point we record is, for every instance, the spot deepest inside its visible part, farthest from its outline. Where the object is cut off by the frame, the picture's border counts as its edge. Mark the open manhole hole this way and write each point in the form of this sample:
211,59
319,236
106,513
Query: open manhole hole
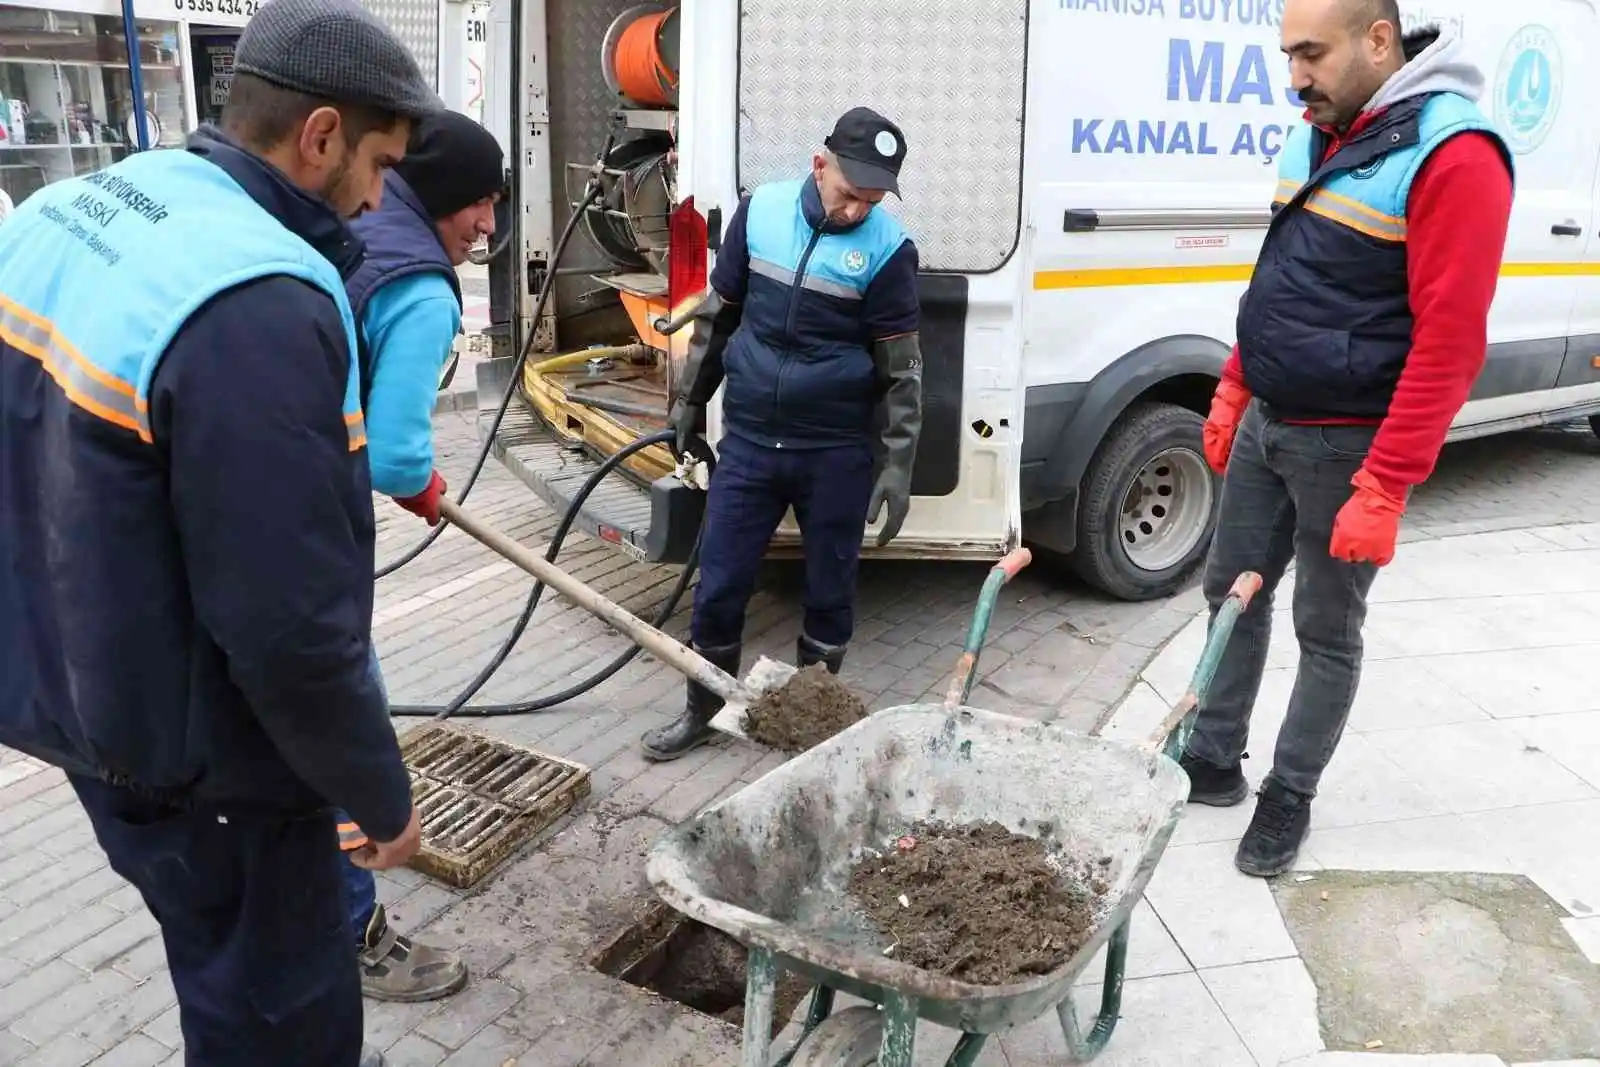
479,798
675,957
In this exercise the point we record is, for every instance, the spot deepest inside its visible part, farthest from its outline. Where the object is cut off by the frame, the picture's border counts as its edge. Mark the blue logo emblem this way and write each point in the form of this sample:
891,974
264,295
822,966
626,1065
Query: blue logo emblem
1527,88
1369,169
854,261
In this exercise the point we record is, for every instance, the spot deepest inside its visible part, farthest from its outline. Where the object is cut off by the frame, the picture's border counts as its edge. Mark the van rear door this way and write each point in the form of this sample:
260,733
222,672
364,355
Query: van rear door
956,87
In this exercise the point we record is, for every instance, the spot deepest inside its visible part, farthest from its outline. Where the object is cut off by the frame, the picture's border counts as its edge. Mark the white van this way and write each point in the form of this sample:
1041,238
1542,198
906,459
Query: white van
1088,183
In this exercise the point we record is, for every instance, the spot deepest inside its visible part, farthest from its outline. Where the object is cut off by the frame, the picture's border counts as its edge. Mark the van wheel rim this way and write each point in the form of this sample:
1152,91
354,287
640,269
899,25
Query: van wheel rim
1166,509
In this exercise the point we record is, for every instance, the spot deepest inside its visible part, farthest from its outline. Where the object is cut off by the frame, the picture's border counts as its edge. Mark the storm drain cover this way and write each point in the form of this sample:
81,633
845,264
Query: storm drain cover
479,798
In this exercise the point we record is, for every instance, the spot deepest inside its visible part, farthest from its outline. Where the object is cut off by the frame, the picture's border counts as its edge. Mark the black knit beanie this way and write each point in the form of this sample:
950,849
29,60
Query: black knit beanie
451,162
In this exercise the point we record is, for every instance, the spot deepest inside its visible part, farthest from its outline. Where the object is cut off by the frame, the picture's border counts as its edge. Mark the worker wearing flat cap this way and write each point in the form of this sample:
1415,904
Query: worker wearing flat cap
811,325
186,505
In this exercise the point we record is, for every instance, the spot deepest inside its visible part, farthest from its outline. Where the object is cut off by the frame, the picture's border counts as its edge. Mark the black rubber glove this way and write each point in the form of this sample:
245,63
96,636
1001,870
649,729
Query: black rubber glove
714,323
899,369
687,420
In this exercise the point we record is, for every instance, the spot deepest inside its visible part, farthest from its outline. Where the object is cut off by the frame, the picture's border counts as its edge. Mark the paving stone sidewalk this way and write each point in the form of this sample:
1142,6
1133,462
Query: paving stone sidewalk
82,976
1472,754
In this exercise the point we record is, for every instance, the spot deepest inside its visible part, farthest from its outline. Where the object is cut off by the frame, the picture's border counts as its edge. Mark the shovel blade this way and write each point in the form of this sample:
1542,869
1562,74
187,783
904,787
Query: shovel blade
767,673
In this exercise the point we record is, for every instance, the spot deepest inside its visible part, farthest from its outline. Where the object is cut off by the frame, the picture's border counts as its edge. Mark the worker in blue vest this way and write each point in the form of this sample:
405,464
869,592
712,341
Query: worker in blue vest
812,319
437,202
187,528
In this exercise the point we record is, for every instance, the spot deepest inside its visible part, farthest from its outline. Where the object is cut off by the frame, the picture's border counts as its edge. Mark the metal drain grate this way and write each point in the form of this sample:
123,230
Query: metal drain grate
479,798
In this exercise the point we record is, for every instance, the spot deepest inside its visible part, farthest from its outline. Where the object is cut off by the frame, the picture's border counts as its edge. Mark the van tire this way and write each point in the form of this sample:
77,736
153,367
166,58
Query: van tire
1159,447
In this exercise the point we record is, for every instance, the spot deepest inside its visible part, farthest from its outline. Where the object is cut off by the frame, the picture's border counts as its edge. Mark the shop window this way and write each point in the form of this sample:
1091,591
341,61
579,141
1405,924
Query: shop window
66,94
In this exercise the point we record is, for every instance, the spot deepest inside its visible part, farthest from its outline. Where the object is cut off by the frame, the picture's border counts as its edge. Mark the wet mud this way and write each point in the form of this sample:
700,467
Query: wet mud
978,903
803,712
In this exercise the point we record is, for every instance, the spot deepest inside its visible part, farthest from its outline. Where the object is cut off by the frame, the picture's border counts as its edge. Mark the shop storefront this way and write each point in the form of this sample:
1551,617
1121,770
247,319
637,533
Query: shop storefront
67,87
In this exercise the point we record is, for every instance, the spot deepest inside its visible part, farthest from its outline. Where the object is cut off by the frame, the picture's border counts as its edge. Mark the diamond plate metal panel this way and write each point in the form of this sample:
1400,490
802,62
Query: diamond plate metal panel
580,114
950,73
416,23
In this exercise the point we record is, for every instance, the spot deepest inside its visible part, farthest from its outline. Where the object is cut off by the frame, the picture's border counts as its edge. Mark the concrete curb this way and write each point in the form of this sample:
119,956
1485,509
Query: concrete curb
454,400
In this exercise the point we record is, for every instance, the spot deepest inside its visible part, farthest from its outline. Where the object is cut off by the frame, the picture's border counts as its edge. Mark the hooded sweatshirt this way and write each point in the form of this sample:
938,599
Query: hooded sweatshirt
1456,219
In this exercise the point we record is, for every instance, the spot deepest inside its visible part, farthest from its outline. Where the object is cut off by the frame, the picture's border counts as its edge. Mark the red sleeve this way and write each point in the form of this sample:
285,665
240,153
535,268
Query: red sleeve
1456,218
1232,369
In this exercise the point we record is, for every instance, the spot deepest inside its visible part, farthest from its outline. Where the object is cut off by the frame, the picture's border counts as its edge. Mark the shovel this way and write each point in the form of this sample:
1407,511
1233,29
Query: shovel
766,674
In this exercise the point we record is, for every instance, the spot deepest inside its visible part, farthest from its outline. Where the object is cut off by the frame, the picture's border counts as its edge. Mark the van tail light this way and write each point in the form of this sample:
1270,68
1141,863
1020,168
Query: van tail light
687,240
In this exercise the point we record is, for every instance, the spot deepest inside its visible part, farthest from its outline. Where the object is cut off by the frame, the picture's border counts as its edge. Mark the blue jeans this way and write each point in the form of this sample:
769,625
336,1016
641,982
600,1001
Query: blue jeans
360,887
751,488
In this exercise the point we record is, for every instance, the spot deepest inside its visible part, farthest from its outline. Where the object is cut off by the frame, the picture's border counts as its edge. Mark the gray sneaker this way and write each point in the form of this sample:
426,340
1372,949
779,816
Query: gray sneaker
393,967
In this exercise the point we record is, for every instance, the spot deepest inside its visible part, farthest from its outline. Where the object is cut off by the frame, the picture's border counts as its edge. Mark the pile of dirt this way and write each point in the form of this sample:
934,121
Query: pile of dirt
977,903
803,712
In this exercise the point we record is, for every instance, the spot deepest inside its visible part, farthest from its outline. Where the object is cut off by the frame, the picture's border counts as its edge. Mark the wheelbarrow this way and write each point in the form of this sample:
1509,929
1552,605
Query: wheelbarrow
769,864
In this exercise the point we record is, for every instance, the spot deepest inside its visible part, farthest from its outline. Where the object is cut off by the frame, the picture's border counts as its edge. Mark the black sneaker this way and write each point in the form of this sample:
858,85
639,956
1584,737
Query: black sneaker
1276,832
1217,787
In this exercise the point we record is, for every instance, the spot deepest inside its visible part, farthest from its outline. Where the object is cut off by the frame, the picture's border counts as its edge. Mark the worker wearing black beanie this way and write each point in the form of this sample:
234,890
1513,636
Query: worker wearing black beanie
452,162
437,202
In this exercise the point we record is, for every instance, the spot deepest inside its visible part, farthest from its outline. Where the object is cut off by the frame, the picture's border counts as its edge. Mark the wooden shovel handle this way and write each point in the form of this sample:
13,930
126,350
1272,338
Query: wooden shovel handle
668,649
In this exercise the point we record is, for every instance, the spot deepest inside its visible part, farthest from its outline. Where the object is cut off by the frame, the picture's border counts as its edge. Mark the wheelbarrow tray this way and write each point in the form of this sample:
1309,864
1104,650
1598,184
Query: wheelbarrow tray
769,865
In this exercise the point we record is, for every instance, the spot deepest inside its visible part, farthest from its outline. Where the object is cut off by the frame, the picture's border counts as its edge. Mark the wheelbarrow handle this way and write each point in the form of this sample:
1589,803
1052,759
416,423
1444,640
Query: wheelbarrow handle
1013,563
1245,588
966,671
1172,735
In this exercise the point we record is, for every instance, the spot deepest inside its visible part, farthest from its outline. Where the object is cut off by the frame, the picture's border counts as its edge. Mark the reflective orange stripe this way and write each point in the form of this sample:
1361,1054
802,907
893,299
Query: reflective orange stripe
1383,227
350,837
90,388
356,425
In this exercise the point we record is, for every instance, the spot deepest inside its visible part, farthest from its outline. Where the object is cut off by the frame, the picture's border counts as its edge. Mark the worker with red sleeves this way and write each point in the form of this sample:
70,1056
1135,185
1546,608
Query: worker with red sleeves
1359,339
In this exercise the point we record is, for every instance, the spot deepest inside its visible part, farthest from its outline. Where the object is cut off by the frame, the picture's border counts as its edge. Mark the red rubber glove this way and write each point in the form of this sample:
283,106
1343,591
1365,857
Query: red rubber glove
1227,408
1368,524
426,503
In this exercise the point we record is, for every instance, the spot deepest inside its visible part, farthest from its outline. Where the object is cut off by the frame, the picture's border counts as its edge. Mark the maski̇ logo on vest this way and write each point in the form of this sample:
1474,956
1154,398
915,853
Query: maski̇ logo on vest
1527,88
854,261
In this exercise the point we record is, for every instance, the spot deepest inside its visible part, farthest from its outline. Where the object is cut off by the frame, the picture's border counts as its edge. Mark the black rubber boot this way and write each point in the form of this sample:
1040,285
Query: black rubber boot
692,729
807,652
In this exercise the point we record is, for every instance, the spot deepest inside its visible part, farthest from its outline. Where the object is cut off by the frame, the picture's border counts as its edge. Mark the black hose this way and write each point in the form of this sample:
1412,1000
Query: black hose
458,706
511,389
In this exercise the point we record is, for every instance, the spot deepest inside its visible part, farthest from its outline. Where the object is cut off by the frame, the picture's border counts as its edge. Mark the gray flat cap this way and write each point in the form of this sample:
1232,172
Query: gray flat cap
337,50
